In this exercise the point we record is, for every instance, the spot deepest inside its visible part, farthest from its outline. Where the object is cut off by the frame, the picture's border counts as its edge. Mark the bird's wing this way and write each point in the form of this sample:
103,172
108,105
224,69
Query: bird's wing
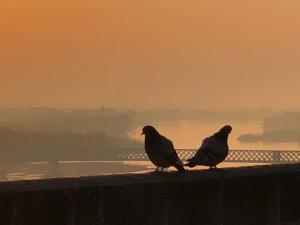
167,150
206,142
200,151
211,151
200,158
217,147
201,155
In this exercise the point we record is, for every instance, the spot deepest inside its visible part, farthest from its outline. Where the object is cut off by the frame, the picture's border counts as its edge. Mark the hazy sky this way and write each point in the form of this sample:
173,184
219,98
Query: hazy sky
150,53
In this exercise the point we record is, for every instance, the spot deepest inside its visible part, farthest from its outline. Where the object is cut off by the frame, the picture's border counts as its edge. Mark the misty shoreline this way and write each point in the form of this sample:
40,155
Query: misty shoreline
272,137
27,133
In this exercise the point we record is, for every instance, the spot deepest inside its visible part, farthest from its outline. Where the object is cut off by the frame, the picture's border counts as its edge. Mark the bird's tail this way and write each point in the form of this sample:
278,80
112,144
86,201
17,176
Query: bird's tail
180,168
190,163
179,165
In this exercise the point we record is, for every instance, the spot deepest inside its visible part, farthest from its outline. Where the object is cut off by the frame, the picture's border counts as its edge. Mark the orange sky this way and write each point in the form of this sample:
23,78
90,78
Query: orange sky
150,53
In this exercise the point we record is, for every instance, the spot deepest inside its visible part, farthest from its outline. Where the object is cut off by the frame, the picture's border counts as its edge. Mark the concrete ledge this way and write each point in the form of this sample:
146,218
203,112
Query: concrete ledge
124,179
247,195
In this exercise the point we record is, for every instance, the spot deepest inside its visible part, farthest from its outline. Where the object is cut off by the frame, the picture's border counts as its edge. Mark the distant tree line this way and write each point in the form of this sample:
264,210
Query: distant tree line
47,145
284,127
107,120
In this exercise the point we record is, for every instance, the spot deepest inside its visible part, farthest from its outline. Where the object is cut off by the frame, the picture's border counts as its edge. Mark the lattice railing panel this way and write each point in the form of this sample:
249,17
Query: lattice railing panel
290,156
250,156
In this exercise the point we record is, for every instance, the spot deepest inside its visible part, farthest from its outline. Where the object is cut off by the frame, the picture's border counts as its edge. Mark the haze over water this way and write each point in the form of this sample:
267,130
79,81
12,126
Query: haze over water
184,134
189,134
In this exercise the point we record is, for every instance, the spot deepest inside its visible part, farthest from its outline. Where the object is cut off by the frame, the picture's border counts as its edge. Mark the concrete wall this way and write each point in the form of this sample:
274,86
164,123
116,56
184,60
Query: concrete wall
250,195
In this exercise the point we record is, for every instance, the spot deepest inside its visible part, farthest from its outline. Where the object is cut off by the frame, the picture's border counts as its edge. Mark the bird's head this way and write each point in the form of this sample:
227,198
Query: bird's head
226,129
223,133
149,131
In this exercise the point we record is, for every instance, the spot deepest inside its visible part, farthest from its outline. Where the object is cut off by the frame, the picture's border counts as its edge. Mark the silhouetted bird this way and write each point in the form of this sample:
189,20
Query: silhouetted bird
160,150
214,149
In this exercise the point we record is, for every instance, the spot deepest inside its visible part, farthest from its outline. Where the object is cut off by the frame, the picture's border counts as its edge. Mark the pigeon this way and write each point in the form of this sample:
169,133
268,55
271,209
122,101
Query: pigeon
214,149
160,150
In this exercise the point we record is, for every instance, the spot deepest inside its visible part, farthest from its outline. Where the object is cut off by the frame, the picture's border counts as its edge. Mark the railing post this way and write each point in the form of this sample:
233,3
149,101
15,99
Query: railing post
276,157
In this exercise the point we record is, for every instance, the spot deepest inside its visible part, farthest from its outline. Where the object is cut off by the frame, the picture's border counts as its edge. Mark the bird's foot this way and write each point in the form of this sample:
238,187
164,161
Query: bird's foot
159,169
182,170
213,167
164,170
189,165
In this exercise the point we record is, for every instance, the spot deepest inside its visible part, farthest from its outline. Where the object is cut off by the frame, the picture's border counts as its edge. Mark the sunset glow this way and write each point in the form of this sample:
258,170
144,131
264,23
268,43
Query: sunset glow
143,54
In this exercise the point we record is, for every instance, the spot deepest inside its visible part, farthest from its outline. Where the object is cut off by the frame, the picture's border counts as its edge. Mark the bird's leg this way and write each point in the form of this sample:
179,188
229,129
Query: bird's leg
159,169
164,169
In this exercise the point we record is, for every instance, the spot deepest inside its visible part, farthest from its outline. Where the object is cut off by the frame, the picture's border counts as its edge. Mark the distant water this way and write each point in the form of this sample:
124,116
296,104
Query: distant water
40,170
189,134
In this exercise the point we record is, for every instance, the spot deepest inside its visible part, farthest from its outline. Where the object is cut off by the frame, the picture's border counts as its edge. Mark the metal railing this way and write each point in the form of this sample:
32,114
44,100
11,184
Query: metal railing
239,156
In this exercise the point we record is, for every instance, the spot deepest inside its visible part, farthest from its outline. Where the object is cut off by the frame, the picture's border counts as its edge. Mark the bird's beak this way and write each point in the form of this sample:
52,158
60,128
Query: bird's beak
142,133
